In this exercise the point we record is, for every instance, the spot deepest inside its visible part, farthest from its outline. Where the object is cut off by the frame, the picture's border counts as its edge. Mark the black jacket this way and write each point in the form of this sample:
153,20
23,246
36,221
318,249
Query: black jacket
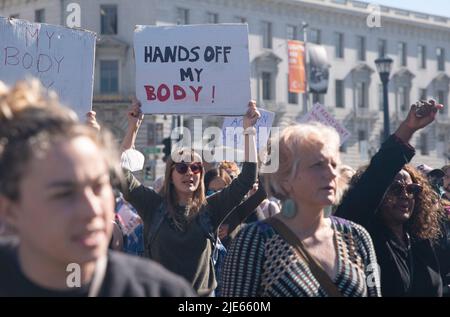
360,205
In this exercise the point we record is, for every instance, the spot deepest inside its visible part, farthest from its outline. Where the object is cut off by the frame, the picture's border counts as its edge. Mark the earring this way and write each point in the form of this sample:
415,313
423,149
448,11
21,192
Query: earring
289,209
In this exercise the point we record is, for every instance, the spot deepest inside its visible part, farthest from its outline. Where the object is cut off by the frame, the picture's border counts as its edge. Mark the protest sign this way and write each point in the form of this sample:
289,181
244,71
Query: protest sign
61,58
320,114
193,69
262,126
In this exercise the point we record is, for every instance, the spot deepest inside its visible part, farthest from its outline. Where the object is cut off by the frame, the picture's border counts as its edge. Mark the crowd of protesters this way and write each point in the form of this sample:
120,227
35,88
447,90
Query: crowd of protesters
313,228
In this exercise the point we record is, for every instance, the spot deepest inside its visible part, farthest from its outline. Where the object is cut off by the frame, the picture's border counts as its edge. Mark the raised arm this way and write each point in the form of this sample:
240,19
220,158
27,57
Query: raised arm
363,198
135,118
245,209
222,203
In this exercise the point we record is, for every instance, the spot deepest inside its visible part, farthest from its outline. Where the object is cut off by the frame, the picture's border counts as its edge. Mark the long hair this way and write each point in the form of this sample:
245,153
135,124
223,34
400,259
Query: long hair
425,221
169,192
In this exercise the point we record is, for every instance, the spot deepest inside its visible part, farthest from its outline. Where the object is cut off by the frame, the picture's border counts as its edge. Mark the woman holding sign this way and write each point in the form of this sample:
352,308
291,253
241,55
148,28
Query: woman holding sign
180,224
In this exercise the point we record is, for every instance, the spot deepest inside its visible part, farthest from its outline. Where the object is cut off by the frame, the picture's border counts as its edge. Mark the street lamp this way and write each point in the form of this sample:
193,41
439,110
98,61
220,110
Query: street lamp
384,69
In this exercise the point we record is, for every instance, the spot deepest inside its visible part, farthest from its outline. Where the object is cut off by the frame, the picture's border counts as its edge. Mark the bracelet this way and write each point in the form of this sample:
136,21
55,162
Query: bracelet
250,131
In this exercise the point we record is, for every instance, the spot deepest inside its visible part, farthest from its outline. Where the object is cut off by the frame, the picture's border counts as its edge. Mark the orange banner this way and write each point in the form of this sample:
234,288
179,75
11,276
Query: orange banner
297,78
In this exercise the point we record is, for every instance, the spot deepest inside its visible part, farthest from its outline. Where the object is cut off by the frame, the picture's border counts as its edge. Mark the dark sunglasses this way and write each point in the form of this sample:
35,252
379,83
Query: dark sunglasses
182,167
398,188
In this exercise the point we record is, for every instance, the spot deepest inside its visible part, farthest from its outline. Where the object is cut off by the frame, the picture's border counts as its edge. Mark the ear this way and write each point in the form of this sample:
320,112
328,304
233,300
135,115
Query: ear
7,212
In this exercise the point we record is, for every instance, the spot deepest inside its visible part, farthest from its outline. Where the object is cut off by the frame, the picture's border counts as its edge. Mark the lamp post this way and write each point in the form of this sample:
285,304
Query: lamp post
384,69
305,61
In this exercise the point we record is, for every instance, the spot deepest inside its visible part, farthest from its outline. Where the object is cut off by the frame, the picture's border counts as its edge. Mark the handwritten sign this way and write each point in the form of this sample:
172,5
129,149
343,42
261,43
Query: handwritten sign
320,114
193,69
262,126
62,58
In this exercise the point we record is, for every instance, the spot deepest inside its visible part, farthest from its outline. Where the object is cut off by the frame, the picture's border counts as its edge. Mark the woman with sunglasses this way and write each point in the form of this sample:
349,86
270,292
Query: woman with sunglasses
400,210
179,223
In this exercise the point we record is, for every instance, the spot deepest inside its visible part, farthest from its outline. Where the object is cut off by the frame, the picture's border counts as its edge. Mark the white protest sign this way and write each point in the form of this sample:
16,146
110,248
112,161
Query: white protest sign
193,69
320,114
262,126
62,58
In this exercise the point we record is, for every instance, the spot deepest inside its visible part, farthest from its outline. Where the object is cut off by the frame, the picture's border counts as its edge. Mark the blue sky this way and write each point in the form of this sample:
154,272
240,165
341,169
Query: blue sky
438,7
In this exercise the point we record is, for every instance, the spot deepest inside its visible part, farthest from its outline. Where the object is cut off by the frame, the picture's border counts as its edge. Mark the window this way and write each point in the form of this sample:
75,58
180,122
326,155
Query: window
39,16
314,36
291,32
440,56
109,77
361,46
403,53
363,144
380,97
423,94
292,96
422,56
212,18
340,102
361,95
424,150
382,46
339,45
266,86
403,99
108,15
267,34
182,16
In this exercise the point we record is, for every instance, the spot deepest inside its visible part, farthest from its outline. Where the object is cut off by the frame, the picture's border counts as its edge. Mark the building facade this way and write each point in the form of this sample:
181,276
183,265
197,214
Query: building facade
418,43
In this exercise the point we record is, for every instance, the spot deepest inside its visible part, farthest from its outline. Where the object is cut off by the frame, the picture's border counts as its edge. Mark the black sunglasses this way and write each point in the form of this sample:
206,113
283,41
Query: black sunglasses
182,167
398,188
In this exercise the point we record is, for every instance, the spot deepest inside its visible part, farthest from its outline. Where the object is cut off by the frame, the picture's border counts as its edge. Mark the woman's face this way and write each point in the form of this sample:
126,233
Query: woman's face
398,205
315,182
66,205
186,177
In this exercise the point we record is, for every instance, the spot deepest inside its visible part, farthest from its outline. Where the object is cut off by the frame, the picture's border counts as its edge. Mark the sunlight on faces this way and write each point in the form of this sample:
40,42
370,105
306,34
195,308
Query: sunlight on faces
397,209
188,182
66,208
310,156
315,182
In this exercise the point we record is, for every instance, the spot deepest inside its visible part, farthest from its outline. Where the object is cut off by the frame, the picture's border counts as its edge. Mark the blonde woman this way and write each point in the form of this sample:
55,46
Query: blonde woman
300,252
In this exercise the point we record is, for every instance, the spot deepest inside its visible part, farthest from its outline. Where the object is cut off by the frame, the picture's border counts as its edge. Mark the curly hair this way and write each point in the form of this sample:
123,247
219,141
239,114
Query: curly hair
427,216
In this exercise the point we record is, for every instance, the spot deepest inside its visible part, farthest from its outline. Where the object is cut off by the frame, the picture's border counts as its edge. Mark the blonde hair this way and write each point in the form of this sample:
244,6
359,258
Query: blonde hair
292,142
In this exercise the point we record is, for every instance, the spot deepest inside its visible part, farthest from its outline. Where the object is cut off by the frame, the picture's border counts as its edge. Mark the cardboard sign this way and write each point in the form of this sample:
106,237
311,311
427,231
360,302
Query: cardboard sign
265,121
320,114
62,58
193,69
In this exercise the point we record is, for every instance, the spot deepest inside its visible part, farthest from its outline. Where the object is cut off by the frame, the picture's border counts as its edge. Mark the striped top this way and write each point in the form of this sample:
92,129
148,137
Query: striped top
261,263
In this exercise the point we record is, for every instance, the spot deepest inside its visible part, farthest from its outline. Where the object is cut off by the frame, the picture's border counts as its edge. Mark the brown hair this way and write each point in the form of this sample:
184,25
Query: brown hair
169,193
30,121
